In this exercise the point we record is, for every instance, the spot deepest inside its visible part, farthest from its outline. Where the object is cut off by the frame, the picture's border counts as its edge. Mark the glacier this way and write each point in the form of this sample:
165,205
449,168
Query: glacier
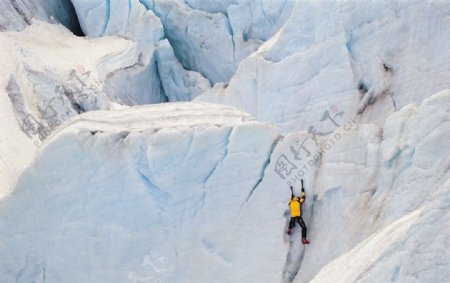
18,14
158,143
214,58
400,180
162,172
158,77
177,168
368,61
41,89
138,84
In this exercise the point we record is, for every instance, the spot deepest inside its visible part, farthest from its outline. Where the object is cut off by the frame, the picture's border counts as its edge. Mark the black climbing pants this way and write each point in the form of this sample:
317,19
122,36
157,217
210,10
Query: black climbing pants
300,222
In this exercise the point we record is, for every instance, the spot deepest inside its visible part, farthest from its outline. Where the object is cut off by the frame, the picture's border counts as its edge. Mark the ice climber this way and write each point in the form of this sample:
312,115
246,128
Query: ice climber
295,204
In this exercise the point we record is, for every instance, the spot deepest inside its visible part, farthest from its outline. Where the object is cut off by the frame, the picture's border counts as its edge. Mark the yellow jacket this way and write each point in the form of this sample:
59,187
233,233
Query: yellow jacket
295,204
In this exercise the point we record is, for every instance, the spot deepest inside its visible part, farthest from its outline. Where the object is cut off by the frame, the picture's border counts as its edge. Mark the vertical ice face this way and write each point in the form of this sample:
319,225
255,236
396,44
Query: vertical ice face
148,185
382,201
18,14
178,84
294,93
211,6
139,84
217,36
257,21
201,41
159,77
161,185
371,61
207,38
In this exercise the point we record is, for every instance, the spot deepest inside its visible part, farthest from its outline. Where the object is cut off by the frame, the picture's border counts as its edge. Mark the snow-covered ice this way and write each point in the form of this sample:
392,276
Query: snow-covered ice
127,183
198,192
47,76
350,54
238,28
177,168
178,83
159,76
138,84
386,190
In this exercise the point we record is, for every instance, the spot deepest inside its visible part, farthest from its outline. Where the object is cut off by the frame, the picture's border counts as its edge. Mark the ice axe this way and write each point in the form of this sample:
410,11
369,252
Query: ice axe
292,188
